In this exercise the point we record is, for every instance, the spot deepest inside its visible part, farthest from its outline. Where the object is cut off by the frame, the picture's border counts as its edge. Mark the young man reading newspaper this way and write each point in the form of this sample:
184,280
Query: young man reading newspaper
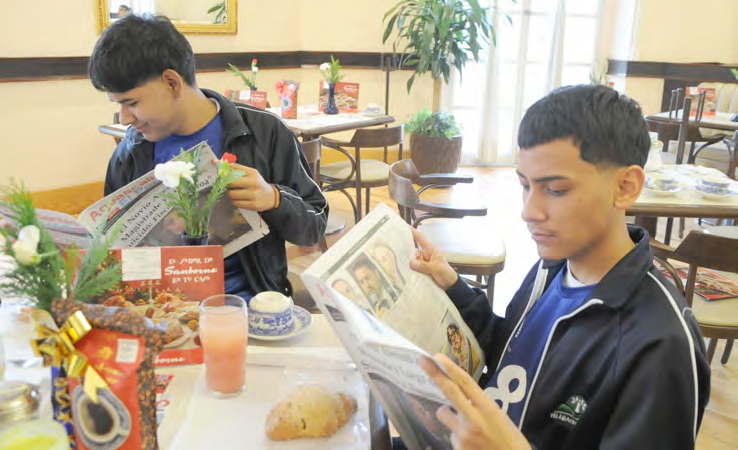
596,349
148,67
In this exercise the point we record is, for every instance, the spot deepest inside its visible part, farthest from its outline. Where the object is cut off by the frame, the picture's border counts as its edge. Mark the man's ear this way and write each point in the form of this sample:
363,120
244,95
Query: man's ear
630,181
173,81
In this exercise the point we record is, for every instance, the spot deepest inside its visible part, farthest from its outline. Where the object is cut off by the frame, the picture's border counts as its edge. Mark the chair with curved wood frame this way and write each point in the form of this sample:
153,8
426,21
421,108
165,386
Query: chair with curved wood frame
718,319
468,246
358,173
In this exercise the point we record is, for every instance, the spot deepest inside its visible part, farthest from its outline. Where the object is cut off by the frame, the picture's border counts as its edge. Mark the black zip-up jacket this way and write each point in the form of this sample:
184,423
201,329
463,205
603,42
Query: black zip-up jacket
261,140
626,370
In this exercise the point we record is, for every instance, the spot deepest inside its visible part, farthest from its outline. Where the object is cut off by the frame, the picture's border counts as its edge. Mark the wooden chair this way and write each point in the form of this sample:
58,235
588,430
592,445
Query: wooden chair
359,173
312,151
469,247
718,319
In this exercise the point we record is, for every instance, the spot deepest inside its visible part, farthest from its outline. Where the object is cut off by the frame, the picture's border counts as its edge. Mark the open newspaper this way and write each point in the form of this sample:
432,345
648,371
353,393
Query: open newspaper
388,317
142,218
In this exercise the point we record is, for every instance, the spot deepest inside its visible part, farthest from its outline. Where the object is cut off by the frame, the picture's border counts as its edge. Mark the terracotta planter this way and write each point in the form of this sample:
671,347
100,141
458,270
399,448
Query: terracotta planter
434,154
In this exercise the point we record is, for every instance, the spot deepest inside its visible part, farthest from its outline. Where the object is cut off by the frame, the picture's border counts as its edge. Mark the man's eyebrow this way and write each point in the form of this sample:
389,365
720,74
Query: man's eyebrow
124,100
544,179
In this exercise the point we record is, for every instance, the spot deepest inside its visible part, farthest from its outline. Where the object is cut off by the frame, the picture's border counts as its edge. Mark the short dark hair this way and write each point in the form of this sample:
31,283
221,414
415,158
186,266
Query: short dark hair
362,261
125,7
608,128
137,49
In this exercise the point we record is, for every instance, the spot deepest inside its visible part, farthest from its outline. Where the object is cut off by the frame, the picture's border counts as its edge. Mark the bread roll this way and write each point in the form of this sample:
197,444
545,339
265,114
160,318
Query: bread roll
310,411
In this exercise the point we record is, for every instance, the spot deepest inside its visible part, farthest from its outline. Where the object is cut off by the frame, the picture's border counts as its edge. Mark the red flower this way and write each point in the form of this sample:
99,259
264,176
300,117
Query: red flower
280,87
253,62
228,157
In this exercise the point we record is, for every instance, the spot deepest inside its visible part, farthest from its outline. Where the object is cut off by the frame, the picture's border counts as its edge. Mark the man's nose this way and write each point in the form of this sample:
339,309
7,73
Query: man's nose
533,208
126,116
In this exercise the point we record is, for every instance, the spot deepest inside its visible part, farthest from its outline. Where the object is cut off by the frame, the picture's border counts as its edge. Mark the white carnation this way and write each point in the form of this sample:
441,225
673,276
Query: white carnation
30,234
254,69
171,172
325,67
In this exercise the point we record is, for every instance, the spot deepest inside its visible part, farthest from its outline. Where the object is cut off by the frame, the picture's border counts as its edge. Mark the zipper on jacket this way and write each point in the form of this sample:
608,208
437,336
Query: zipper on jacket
539,285
591,302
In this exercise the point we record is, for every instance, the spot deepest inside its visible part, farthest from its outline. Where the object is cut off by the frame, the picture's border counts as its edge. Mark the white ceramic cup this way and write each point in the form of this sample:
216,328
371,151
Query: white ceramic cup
270,314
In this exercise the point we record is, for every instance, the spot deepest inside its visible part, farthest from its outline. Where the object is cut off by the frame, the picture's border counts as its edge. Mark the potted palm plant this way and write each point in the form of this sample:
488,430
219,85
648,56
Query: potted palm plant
435,36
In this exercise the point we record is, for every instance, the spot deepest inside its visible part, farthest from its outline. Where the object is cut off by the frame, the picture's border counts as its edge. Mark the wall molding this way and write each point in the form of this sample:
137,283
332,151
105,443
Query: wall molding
75,67
695,72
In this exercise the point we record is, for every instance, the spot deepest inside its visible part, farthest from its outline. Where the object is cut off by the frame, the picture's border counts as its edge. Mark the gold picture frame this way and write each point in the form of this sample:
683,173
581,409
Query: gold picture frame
230,27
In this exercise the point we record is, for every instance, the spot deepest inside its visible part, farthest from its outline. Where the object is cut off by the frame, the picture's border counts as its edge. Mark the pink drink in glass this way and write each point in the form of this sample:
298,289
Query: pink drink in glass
224,331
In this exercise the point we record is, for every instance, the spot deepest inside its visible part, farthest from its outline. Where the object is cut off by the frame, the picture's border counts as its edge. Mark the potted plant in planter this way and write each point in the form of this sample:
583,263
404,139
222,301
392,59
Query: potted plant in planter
435,142
437,35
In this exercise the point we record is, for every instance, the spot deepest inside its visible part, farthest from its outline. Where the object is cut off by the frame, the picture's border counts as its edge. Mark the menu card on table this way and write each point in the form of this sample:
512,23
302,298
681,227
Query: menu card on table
347,97
167,284
710,100
710,285
253,98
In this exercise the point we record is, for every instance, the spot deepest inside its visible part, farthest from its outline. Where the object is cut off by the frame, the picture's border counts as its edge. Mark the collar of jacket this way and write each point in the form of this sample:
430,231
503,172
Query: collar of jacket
623,279
233,123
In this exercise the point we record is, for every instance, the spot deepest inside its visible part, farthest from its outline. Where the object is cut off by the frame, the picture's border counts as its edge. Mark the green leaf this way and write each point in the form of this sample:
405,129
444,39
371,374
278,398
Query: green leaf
410,82
389,28
392,11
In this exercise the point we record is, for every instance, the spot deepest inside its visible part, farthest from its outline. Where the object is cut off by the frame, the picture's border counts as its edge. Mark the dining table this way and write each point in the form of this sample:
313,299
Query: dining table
687,201
309,124
193,418
720,121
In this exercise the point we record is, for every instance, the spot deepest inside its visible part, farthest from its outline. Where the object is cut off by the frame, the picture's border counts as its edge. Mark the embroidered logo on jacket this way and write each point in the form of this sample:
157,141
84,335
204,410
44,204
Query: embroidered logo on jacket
570,412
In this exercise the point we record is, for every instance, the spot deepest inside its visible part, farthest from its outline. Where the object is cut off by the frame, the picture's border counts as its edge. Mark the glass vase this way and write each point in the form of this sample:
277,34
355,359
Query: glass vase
330,107
195,240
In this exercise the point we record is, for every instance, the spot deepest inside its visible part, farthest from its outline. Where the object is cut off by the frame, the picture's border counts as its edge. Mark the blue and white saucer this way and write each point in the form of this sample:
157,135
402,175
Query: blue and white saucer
713,196
302,319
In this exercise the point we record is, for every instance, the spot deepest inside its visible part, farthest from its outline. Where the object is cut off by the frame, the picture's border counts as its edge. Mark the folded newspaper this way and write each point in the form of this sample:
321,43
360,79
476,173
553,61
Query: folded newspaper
389,317
143,218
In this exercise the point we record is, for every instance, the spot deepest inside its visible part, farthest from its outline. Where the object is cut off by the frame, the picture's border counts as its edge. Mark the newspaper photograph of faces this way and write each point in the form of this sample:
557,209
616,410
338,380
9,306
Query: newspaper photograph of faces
377,277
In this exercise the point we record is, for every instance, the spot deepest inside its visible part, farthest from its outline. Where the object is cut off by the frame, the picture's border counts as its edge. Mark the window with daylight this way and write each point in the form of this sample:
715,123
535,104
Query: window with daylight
550,43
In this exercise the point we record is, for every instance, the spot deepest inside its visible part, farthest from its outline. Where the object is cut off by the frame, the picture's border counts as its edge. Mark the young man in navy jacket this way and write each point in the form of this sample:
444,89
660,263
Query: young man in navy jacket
146,66
597,349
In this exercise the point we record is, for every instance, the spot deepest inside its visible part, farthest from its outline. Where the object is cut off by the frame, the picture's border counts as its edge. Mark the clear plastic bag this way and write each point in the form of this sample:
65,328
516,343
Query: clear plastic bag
355,434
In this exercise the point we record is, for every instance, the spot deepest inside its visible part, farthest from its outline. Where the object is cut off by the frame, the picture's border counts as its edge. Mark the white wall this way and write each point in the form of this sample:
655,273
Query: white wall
675,31
49,128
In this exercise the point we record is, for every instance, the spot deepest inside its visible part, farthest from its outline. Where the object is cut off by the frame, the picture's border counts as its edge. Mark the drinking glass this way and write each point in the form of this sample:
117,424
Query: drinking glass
224,331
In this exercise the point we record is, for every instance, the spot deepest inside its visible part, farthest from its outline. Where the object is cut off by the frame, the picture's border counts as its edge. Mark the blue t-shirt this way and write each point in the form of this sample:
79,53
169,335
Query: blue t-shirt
168,148
510,385
171,146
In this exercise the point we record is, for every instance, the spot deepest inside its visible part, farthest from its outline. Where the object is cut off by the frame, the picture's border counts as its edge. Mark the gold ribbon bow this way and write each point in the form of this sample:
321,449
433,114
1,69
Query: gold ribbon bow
57,349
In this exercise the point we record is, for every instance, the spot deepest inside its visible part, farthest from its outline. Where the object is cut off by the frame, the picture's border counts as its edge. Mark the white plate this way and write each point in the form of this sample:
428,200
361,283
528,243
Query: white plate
711,196
661,192
302,318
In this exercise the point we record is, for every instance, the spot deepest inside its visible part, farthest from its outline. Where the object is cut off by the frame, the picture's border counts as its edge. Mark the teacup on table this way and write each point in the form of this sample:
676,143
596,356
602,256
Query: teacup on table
715,185
660,182
270,314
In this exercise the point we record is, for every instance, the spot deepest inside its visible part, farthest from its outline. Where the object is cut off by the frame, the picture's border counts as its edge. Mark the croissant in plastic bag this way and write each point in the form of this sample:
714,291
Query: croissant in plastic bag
309,411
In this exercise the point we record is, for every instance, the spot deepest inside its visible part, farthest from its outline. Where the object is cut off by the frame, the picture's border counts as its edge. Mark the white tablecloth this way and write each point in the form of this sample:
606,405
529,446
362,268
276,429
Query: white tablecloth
195,419
688,176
